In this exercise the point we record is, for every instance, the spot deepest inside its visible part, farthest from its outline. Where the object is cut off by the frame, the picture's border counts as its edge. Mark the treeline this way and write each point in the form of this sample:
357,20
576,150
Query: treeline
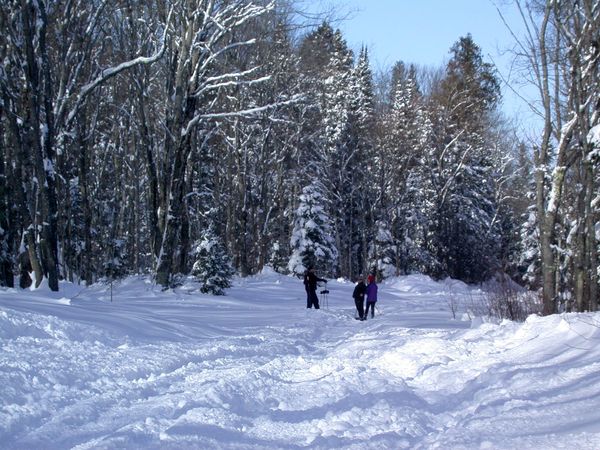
140,137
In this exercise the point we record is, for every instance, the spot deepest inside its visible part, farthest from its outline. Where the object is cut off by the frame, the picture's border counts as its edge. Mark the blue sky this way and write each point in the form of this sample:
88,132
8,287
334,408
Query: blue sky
422,32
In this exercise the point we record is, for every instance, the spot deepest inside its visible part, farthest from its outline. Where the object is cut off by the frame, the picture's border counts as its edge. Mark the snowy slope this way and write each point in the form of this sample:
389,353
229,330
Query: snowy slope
256,370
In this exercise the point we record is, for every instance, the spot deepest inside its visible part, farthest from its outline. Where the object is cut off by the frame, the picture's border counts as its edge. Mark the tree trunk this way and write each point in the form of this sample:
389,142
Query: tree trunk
579,253
548,264
82,166
6,265
592,244
43,150
151,172
184,246
33,258
165,265
20,212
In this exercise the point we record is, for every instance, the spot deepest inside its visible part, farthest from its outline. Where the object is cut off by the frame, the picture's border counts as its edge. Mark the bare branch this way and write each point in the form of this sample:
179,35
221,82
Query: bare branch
250,112
106,74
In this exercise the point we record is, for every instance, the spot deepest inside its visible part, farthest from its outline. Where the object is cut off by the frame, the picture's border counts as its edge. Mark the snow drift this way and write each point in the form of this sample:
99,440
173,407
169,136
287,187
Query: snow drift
256,370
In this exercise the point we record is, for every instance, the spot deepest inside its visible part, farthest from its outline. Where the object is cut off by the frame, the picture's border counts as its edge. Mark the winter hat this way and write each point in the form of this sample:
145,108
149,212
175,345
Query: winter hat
370,278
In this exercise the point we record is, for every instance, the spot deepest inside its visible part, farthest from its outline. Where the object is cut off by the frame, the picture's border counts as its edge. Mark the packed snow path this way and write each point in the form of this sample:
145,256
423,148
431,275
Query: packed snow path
257,370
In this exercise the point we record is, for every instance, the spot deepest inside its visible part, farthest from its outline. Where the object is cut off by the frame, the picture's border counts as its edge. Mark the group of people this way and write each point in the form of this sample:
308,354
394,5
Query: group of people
311,281
370,290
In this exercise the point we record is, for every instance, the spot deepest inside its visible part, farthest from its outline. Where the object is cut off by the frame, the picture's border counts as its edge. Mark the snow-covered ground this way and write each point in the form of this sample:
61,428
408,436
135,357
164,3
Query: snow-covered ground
256,370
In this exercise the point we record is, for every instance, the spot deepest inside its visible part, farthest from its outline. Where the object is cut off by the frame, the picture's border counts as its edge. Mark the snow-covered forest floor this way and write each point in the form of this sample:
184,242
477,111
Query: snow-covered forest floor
256,370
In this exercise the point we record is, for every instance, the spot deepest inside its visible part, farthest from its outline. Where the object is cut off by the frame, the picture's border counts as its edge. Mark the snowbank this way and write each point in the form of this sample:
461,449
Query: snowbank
256,370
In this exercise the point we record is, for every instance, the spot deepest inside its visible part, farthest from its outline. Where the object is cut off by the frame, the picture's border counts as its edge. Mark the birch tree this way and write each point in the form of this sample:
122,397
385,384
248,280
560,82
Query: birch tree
561,53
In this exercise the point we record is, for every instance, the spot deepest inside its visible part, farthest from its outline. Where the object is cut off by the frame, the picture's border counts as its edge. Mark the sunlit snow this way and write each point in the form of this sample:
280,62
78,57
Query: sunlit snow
256,370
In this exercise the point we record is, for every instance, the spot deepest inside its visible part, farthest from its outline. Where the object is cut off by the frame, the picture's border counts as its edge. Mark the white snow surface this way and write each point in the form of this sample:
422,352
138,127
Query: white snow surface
256,370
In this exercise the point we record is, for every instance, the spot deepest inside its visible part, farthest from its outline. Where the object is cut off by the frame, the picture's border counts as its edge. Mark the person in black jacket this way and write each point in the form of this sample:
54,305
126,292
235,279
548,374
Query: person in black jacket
310,284
359,297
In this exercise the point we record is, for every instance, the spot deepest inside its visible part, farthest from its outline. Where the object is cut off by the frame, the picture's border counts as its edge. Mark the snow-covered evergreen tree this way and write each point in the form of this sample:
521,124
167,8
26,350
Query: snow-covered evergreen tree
311,241
529,258
277,259
343,130
415,224
212,267
336,85
115,267
356,170
468,233
406,171
382,253
405,129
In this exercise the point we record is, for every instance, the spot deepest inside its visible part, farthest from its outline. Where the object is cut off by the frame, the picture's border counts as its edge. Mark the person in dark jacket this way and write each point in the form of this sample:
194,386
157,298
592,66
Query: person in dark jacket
308,299
310,284
359,297
371,296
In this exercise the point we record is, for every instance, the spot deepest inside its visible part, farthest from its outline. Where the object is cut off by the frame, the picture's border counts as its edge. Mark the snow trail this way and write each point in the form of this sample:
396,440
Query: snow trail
257,370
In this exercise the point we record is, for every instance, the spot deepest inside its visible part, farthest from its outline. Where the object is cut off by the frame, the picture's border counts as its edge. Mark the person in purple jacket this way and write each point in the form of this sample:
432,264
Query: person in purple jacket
371,296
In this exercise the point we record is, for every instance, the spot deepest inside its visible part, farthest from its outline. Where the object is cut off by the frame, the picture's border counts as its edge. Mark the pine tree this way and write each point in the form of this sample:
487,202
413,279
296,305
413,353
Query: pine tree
115,266
336,82
471,88
357,165
311,241
417,214
468,234
383,251
405,127
212,268
402,147
277,258
341,132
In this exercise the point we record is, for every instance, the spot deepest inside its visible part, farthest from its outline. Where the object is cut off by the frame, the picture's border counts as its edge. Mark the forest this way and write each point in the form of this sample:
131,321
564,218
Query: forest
212,137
